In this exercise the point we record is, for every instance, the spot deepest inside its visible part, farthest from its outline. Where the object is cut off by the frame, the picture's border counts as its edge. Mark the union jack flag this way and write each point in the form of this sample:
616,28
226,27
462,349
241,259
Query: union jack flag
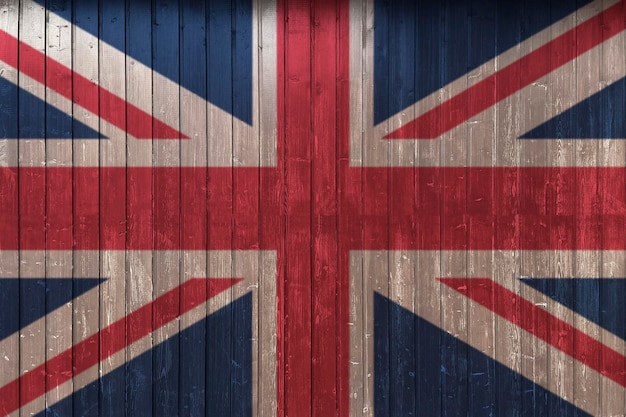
312,208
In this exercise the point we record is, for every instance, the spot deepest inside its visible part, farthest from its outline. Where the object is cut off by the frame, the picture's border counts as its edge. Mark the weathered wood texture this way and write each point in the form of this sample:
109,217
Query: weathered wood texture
312,208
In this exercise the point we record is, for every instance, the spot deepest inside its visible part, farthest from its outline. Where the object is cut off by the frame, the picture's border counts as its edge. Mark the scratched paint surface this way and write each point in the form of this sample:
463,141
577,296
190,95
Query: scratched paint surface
312,208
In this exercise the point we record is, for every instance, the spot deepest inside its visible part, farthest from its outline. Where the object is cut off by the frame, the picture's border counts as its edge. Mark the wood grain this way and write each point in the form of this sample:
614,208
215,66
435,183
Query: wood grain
361,260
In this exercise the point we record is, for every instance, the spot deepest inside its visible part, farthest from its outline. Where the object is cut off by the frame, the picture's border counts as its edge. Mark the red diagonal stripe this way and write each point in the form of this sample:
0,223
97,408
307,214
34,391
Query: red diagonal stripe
84,92
515,76
110,340
543,325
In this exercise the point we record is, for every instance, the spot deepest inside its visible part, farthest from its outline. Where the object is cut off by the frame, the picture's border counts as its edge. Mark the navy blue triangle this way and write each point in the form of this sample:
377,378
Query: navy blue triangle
205,370
189,40
23,115
420,370
422,45
601,116
24,301
600,300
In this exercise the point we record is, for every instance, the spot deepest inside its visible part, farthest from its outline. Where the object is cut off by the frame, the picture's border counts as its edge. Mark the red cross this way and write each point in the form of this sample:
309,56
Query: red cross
313,208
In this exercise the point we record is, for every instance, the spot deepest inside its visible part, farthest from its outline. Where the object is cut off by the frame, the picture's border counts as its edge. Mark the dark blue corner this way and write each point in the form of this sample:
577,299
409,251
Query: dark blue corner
601,116
26,300
600,300
420,46
420,370
22,115
205,370
205,46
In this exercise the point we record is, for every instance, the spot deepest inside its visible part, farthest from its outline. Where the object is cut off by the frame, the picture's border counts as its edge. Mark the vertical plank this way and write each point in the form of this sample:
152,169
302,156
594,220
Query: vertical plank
508,118
402,349
9,260
166,261
480,182
219,26
586,79
58,155
360,382
86,263
269,385
324,208
193,121
112,210
376,263
534,99
430,20
139,285
611,152
246,147
298,61
454,384
31,113
560,85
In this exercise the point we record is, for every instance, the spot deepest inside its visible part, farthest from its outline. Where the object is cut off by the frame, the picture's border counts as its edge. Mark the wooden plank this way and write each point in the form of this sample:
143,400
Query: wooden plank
219,17
58,154
167,205
403,344
86,308
9,260
375,263
359,301
270,366
428,264
507,336
586,384
193,121
139,264
297,119
112,24
31,113
534,355
561,264
454,231
482,145
246,152
611,264
324,196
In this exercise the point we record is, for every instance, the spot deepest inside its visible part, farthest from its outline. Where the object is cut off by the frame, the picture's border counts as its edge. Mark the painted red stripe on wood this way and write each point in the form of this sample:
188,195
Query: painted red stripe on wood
324,368
515,76
84,92
349,235
520,220
298,199
543,325
110,340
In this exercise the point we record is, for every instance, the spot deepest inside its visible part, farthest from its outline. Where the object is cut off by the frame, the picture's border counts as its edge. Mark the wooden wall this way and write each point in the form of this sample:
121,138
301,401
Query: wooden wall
312,208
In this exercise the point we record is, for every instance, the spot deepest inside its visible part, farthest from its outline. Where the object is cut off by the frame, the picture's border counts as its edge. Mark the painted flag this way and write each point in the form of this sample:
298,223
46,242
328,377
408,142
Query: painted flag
102,316
321,208
511,111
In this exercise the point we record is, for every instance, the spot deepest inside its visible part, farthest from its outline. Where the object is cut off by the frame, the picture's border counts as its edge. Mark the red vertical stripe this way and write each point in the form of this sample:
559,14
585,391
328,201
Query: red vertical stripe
298,205
324,209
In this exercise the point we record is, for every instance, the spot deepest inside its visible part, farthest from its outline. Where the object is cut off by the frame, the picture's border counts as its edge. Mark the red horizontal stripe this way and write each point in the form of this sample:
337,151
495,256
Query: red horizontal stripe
543,325
110,340
84,92
515,76
450,208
